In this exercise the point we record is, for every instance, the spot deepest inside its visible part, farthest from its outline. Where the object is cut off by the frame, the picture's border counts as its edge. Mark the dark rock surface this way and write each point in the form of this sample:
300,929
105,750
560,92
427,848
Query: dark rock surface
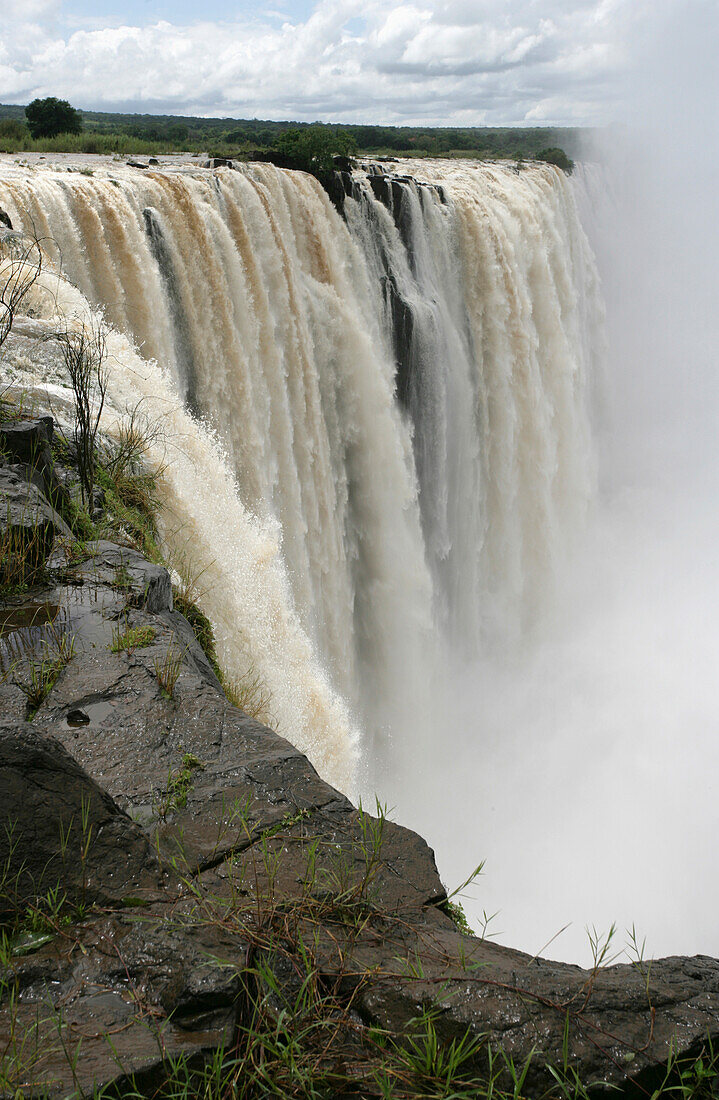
28,523
202,819
28,441
52,808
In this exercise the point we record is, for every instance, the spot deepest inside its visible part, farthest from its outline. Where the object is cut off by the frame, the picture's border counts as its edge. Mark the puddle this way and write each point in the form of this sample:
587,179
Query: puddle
75,616
88,714
31,630
29,615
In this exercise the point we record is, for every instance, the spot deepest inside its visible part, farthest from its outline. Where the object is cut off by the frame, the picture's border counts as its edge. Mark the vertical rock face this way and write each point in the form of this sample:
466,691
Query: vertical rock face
162,840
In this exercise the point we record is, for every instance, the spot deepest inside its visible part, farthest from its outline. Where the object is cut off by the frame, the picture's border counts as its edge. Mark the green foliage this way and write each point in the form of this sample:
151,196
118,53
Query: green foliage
556,156
248,692
22,554
11,129
312,149
46,118
131,133
132,638
201,627
454,910
167,670
37,677
179,784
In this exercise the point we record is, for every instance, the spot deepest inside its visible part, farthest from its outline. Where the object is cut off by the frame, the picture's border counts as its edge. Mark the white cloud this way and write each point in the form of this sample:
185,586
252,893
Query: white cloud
462,61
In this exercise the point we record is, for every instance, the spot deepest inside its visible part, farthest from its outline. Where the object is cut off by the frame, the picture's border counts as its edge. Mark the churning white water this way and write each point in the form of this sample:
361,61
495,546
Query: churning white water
386,475
231,557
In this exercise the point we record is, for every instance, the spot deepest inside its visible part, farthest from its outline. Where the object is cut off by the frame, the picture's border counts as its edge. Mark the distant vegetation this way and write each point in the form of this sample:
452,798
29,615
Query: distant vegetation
308,145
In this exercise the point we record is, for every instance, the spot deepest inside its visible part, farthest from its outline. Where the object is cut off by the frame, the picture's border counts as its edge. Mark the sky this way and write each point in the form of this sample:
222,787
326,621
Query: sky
426,62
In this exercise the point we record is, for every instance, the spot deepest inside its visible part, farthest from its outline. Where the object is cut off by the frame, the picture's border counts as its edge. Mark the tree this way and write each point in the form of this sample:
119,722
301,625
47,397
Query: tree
313,147
556,156
51,116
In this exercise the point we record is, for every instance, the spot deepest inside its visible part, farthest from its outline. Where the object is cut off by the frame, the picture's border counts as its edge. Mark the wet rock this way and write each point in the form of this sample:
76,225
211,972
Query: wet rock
27,525
620,1022
5,219
28,441
59,827
136,164
104,1011
110,564
218,162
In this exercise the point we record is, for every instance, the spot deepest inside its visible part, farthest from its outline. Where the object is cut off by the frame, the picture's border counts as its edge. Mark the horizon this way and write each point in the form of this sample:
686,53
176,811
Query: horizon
304,122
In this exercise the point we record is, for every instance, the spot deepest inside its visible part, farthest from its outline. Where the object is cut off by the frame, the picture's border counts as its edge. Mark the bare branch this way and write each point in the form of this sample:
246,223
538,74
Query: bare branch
21,262
84,352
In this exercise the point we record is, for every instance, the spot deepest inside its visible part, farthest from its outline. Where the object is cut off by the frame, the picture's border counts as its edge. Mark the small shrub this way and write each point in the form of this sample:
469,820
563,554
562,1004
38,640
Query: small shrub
558,157
130,488
20,268
121,577
22,556
84,352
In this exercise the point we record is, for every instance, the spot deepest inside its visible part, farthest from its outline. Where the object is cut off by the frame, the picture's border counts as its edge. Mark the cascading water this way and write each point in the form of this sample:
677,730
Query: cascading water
276,327
401,396
247,289
491,298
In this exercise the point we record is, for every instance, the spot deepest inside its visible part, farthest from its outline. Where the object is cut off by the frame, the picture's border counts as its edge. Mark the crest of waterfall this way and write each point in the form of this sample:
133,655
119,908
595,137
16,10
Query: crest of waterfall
400,395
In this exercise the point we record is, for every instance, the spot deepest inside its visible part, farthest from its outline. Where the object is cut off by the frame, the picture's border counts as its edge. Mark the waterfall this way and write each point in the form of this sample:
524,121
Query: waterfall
491,294
398,395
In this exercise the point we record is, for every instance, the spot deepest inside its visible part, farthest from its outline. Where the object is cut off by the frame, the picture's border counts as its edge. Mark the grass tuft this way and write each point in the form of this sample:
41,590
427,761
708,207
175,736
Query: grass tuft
132,638
167,670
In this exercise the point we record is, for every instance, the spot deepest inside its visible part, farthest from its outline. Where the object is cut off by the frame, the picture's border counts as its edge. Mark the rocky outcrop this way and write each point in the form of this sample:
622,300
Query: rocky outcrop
186,841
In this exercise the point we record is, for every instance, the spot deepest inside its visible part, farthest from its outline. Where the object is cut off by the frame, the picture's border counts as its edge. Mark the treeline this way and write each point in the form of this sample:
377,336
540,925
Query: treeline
104,132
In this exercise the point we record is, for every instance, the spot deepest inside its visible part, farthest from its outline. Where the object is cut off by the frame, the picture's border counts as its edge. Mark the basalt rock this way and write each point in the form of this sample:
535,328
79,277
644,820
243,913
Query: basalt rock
60,826
28,441
28,524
